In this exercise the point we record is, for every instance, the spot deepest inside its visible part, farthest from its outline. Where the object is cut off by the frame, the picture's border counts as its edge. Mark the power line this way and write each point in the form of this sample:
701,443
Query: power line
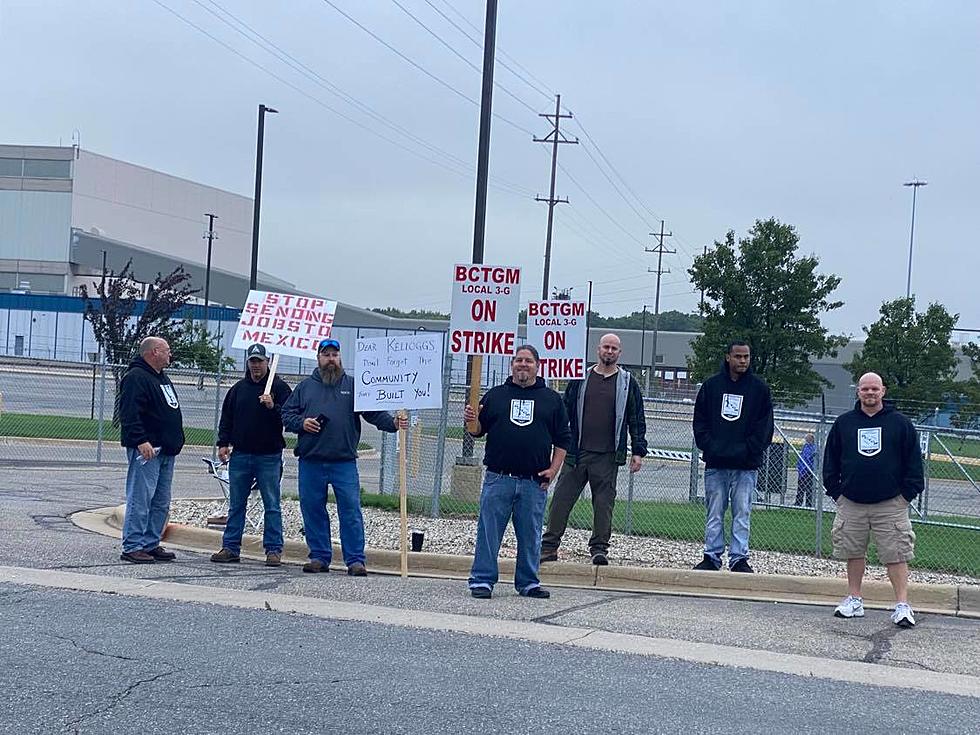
421,68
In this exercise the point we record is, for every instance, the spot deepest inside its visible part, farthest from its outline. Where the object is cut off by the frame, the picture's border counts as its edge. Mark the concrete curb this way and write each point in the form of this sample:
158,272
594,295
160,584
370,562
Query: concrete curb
942,599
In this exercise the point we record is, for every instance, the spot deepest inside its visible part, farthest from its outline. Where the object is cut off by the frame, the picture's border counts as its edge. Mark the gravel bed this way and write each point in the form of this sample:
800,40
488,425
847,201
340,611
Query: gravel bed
449,535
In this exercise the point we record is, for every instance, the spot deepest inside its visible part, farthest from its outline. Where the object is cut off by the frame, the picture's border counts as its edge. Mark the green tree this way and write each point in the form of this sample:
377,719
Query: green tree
762,291
193,346
413,314
911,352
670,321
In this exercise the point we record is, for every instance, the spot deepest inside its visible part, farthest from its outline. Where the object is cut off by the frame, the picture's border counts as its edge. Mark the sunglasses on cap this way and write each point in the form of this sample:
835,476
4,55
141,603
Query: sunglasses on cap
324,344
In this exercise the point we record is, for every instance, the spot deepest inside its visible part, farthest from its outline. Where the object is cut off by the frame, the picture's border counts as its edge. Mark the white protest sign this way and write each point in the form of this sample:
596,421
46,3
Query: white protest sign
558,329
485,307
284,323
398,372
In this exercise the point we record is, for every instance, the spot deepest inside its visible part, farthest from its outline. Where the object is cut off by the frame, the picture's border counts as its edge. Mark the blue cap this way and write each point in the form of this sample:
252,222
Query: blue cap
325,343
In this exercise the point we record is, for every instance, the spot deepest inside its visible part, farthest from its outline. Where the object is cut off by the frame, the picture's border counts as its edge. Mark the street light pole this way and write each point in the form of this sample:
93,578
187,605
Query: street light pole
207,271
915,184
257,201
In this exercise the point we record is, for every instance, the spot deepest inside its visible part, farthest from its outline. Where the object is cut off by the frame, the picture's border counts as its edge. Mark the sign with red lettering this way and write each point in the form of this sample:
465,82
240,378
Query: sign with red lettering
558,330
486,304
284,323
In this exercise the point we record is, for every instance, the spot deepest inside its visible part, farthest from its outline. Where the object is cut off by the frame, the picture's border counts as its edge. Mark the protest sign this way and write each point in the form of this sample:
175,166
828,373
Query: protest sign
558,330
286,324
401,372
485,307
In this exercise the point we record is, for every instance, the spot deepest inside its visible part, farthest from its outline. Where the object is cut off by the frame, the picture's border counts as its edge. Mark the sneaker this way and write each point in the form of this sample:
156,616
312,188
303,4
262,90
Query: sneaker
902,616
137,557
708,564
357,570
600,559
161,554
481,593
851,607
539,593
273,560
742,565
315,566
548,556
225,556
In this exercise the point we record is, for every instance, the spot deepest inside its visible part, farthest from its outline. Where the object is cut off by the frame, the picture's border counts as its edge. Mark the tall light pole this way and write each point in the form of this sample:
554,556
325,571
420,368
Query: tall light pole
257,201
209,236
915,184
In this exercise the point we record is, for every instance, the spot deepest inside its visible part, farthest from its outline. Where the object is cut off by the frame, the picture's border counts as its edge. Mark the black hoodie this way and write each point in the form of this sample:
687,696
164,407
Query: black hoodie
522,425
869,459
149,410
733,422
246,424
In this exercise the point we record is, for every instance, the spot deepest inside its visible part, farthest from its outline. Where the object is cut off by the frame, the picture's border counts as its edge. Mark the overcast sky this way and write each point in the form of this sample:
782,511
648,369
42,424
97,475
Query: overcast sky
712,114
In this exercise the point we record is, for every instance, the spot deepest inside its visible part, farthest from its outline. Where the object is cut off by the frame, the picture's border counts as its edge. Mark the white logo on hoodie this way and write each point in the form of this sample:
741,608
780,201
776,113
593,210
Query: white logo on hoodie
731,406
869,441
170,396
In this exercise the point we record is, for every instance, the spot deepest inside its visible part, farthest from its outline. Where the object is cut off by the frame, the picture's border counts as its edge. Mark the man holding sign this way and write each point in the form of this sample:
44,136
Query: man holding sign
321,412
526,426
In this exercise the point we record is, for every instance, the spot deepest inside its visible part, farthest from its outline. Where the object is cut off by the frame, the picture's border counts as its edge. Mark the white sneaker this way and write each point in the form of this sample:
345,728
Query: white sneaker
851,607
902,616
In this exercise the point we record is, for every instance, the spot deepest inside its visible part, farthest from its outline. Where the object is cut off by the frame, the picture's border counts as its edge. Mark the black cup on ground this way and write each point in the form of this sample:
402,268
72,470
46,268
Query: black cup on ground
418,537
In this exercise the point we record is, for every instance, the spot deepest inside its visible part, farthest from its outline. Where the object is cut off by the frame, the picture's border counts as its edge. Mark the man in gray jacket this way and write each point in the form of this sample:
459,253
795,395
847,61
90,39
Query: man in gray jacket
321,412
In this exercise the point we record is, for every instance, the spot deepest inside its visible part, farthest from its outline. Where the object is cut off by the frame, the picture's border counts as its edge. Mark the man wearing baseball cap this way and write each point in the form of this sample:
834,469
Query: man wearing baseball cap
250,433
321,412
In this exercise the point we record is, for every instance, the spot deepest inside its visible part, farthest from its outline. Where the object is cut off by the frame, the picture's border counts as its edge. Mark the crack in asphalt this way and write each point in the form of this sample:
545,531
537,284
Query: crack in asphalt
93,651
116,699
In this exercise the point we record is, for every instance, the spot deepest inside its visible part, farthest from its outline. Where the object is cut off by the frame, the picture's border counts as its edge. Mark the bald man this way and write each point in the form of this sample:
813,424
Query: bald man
872,468
152,430
601,408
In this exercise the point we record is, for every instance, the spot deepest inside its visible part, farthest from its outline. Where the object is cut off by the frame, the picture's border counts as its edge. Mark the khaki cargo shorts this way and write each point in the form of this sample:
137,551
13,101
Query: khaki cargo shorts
888,520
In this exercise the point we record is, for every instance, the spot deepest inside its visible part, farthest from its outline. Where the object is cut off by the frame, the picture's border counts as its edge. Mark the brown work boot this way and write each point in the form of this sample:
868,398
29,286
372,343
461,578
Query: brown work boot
137,557
161,554
273,560
225,556
315,566
357,570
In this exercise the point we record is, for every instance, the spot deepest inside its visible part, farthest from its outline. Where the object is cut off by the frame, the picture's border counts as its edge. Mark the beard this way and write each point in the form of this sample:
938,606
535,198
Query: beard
331,374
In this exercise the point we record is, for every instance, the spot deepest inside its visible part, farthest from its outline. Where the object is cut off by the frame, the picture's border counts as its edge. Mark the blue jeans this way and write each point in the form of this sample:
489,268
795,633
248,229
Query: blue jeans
147,500
313,480
243,470
502,498
721,488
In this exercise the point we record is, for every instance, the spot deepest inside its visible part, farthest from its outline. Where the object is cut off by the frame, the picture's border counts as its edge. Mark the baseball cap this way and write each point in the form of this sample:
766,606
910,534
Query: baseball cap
325,343
256,350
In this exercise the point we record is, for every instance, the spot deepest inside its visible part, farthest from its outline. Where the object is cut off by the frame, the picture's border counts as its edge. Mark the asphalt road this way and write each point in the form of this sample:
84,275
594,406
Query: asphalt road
96,663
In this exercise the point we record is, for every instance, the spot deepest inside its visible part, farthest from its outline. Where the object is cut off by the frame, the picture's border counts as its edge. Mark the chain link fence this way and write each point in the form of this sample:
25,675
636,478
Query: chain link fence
63,413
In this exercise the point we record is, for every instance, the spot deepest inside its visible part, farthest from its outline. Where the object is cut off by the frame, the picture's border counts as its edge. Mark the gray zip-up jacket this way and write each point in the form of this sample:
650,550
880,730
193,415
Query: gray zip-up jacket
339,437
629,416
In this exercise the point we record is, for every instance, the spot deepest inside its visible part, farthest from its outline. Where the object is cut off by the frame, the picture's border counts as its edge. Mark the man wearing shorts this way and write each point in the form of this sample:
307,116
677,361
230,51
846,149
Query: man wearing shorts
872,468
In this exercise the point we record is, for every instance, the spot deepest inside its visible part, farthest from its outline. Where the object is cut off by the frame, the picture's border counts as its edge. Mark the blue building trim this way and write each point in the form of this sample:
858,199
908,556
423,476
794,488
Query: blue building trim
76,305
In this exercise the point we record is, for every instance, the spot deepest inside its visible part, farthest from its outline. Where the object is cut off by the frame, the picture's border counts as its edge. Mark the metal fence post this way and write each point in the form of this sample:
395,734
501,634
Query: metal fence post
447,372
692,494
818,485
628,530
98,444
217,413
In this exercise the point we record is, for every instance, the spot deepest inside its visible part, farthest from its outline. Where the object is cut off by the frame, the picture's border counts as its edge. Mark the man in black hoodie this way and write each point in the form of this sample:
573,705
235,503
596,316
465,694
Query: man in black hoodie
733,425
251,423
152,430
872,468
526,426
321,412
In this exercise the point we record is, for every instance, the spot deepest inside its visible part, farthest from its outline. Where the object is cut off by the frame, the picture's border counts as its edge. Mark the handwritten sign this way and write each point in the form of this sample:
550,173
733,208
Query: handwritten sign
485,307
284,323
398,372
558,329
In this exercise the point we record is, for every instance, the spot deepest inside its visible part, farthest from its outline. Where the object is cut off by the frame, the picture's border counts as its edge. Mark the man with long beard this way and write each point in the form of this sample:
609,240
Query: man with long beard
321,412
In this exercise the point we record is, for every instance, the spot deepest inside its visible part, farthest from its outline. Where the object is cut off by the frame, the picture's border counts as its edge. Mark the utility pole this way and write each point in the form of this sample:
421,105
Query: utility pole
915,184
660,250
257,201
554,137
210,237
474,363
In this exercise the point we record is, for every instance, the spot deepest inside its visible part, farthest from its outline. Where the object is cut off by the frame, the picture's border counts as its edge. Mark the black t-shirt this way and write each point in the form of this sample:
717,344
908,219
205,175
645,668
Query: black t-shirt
521,426
598,431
